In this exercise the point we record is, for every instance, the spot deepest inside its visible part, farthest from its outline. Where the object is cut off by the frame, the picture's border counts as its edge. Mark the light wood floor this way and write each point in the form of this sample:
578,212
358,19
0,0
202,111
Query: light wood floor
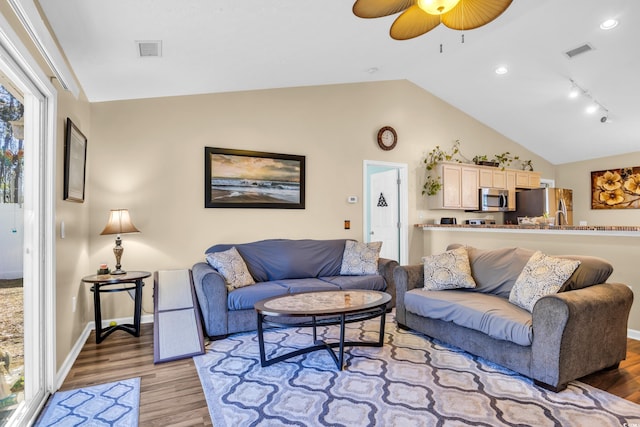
171,394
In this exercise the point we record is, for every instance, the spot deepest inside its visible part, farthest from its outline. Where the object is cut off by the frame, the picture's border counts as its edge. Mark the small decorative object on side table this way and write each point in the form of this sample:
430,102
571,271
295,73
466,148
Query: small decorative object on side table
102,283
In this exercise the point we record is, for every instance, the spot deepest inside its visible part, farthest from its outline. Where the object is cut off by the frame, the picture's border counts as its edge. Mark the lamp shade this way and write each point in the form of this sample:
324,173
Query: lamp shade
119,223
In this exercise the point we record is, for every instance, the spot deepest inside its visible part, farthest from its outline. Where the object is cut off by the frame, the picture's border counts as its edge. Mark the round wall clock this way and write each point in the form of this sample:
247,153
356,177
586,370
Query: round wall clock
387,138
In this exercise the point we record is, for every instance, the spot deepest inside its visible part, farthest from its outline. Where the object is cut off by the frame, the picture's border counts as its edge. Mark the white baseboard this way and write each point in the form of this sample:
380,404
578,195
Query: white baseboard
82,339
72,356
633,334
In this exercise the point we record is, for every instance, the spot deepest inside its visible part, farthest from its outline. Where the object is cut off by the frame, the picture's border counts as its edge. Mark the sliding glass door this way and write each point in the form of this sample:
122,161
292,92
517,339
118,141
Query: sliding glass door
27,355
11,248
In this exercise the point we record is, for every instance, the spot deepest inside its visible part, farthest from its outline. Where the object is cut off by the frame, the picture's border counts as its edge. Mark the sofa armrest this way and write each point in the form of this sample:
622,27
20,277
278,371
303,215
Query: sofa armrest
385,269
579,332
406,277
211,290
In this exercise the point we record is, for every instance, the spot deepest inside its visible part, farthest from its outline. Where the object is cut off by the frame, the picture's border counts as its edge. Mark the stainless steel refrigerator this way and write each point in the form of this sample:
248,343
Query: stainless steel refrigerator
556,202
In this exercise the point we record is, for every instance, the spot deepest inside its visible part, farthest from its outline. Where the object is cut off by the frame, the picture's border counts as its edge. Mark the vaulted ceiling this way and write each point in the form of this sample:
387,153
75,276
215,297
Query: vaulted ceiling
211,46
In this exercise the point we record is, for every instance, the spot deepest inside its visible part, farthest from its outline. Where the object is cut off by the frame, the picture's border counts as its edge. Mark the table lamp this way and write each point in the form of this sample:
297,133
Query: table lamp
119,223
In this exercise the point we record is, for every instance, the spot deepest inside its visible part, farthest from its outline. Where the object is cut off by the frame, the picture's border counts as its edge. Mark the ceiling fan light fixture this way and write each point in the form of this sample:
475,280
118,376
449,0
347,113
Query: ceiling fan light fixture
437,7
418,17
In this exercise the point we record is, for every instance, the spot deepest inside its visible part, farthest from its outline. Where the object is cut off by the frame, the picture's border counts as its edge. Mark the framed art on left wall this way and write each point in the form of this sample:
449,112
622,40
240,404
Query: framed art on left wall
75,161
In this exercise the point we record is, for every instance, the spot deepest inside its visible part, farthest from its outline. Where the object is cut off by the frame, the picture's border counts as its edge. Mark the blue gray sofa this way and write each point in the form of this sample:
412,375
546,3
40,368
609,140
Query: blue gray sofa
579,330
279,267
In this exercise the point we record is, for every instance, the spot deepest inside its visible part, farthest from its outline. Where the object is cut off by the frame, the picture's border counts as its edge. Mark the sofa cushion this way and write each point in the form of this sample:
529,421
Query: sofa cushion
543,275
493,315
230,264
591,271
495,270
277,259
370,283
296,286
360,258
448,270
245,298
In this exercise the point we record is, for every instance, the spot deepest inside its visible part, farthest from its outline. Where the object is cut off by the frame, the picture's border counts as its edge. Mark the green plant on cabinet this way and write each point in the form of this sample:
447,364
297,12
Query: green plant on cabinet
433,182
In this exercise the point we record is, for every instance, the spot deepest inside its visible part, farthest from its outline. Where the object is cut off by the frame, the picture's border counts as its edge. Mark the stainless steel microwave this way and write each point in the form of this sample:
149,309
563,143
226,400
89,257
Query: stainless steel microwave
493,200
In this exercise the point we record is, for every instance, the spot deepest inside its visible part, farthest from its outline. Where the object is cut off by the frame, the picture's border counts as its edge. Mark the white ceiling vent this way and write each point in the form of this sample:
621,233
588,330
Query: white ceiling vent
149,48
579,50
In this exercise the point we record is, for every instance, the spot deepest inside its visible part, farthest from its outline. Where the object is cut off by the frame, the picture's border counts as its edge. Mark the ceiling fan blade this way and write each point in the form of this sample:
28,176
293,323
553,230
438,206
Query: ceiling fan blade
379,8
470,14
413,22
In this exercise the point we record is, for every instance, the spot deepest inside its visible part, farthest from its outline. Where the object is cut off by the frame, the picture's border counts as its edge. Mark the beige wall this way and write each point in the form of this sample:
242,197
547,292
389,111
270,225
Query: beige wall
72,252
577,176
148,156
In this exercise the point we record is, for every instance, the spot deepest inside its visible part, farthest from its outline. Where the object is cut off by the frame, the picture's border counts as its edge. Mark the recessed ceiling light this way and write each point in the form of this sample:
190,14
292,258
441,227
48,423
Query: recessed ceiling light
609,24
502,70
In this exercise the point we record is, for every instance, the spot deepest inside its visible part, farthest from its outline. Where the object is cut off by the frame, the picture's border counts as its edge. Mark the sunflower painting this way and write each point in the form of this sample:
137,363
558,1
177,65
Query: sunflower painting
616,189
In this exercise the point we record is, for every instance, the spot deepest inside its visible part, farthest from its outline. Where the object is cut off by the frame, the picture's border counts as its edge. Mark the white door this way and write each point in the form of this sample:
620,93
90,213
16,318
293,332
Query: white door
384,208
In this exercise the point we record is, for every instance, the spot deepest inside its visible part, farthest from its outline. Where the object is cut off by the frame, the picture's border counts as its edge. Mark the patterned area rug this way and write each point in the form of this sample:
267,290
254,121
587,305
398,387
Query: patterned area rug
411,381
111,404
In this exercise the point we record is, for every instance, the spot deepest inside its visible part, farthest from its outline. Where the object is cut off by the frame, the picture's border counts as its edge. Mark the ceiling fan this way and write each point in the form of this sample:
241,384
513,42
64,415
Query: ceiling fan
421,16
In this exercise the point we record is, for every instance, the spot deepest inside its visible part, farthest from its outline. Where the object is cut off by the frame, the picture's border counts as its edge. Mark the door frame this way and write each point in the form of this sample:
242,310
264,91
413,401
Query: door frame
40,101
403,203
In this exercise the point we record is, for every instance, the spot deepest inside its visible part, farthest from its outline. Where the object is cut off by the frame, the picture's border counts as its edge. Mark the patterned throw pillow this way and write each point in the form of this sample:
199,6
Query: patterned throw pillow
232,267
360,259
542,275
448,270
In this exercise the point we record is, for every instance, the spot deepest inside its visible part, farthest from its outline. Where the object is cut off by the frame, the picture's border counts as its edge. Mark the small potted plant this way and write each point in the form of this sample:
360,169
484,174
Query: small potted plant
505,159
484,161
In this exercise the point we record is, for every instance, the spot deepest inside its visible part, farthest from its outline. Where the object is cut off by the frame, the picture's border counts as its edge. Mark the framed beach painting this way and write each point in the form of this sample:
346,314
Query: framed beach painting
253,179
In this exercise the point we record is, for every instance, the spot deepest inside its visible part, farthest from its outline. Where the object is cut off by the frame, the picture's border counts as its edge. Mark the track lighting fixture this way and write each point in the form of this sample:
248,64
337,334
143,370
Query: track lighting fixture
593,106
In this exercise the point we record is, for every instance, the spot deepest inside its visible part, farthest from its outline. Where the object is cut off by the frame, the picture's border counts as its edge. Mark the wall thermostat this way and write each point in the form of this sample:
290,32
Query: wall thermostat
352,199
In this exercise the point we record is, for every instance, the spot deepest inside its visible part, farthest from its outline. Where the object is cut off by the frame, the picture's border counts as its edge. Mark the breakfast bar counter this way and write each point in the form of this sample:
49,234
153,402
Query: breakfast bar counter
574,230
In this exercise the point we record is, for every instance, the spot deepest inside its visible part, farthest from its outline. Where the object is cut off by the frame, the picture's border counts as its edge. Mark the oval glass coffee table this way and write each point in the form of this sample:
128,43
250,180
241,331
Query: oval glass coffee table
321,309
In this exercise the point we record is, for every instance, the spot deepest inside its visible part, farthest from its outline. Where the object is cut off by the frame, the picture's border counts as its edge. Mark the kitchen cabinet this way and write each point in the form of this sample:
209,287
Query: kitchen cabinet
492,178
511,186
459,190
525,179
460,184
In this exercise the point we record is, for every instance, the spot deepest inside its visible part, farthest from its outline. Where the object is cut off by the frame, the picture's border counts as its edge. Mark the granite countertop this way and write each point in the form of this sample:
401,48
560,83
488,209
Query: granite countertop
620,230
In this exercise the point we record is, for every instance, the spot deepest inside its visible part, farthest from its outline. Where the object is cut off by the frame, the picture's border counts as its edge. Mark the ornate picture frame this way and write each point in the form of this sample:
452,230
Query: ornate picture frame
75,162
253,179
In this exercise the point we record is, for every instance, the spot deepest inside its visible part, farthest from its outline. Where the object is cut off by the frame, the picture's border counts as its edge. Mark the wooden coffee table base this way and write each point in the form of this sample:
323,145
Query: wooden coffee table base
342,320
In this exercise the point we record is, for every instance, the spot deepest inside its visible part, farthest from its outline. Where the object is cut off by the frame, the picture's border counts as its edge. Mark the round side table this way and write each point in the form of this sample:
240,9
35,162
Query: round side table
106,283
